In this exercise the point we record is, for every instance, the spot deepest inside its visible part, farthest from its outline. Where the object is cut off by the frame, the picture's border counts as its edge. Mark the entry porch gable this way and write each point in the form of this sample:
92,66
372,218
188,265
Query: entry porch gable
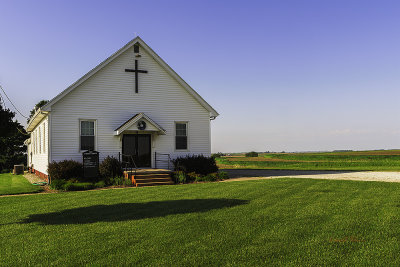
139,122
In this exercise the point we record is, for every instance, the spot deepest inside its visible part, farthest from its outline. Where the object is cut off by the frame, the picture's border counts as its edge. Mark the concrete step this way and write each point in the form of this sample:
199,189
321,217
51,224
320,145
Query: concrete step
148,171
160,176
152,179
153,183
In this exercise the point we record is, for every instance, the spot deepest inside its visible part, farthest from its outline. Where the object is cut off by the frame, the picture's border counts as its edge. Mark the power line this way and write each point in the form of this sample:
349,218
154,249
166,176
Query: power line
12,103
22,132
4,106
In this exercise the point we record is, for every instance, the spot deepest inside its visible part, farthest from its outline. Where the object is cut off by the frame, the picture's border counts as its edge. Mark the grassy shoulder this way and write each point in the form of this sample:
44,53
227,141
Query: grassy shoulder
278,221
350,161
16,184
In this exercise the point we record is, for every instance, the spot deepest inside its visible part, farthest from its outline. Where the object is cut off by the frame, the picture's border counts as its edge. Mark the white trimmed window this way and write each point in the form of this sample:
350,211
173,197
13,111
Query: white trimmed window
36,142
87,135
44,138
33,143
40,141
181,136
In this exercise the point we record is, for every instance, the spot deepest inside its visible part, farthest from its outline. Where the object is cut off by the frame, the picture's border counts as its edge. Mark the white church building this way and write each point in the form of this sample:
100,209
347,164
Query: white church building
132,103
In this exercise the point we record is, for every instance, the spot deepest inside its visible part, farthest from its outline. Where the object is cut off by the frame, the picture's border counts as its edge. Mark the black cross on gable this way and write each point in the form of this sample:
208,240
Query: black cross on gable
136,71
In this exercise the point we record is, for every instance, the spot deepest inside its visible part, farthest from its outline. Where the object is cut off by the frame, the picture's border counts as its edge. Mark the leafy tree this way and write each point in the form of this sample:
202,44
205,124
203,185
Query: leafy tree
12,136
40,104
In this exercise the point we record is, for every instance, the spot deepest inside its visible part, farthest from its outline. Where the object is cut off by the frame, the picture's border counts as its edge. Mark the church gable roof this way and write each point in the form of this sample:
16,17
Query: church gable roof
161,62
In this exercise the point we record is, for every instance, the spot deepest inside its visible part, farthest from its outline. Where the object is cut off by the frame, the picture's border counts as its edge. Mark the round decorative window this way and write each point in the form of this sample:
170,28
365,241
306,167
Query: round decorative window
141,125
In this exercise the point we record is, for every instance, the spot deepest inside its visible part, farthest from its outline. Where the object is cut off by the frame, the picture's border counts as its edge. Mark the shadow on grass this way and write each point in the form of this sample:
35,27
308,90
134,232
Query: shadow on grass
131,211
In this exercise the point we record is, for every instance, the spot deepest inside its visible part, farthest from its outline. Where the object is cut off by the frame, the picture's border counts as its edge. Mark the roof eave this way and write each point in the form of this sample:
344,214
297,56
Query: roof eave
36,118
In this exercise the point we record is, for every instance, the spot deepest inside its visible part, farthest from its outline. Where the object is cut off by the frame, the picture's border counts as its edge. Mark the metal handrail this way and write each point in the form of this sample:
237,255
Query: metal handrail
121,156
160,160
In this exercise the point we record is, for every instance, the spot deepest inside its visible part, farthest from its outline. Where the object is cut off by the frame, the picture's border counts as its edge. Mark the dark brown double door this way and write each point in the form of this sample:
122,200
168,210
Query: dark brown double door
139,147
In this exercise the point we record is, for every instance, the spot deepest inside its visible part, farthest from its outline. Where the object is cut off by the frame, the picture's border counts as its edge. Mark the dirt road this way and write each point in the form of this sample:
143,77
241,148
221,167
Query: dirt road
248,174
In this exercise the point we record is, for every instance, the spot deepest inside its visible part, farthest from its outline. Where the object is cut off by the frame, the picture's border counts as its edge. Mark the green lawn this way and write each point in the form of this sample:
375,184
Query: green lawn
378,160
16,184
278,221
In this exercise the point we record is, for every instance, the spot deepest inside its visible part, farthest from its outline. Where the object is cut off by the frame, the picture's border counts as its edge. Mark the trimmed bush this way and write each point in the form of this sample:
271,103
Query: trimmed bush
69,186
110,167
223,175
119,180
74,185
100,184
65,170
192,176
211,177
251,154
57,184
195,163
179,177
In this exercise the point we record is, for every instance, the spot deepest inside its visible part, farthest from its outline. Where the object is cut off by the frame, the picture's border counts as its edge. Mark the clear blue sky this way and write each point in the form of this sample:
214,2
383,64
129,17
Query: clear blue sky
284,75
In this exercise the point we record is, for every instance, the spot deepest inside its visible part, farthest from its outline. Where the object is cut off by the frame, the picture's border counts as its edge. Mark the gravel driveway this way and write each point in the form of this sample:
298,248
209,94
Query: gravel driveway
249,174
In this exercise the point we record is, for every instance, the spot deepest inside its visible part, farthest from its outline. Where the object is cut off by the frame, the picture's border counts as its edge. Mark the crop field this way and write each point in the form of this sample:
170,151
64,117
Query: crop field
376,160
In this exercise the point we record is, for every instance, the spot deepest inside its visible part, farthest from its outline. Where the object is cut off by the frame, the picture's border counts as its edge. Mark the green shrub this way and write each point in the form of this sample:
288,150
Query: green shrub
192,176
110,167
65,170
251,154
195,163
212,177
218,155
73,180
100,184
179,177
74,185
223,175
69,186
57,184
204,178
119,180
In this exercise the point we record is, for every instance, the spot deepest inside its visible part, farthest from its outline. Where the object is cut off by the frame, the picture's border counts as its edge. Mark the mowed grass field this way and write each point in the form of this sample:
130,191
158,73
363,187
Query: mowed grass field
16,184
287,222
377,160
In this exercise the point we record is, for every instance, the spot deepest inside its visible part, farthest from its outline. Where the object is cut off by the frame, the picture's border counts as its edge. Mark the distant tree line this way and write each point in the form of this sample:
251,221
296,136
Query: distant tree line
251,154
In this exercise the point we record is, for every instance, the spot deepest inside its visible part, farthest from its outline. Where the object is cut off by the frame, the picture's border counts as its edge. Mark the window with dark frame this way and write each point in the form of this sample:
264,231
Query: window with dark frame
181,136
136,48
87,135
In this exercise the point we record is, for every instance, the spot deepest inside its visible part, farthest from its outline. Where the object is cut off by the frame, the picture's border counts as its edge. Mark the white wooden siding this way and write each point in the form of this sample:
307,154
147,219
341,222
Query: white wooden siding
109,98
40,146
